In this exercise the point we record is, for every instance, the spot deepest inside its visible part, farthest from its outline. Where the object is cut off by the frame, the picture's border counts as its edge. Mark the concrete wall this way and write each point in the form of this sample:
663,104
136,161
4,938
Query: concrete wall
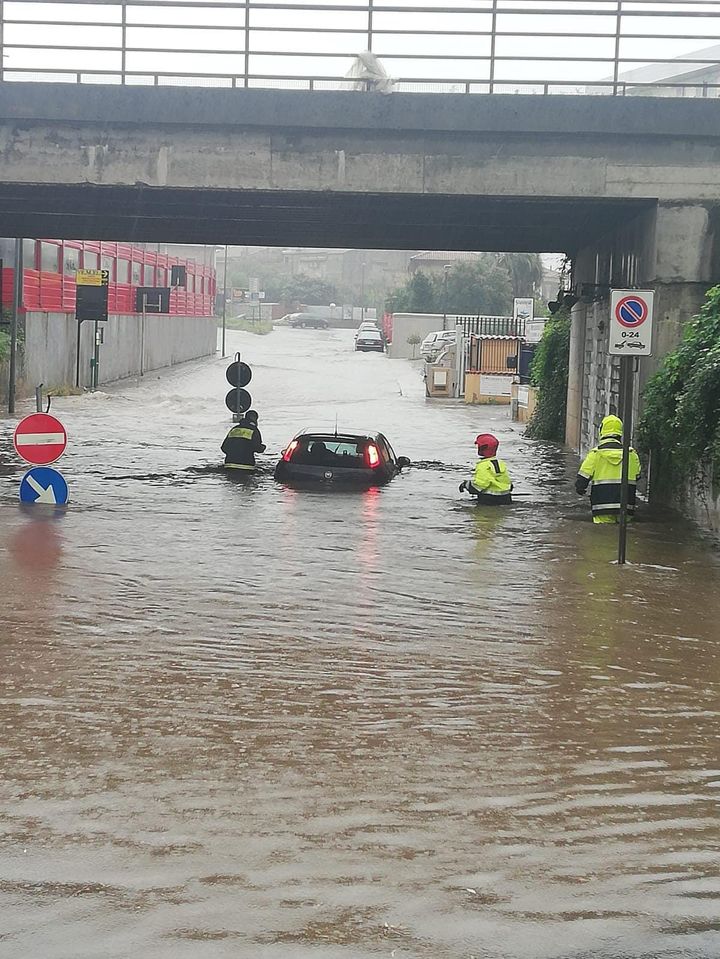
50,347
703,504
342,169
407,324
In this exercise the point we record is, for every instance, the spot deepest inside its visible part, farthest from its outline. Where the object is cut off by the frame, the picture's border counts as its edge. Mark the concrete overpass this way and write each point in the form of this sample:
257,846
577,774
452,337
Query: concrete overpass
630,187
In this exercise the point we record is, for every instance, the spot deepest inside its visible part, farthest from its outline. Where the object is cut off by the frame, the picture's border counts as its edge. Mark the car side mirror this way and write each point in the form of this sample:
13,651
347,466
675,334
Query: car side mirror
402,462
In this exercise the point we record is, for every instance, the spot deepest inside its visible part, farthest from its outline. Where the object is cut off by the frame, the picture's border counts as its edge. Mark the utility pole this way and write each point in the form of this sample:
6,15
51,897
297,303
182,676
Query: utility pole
362,293
224,304
446,272
16,307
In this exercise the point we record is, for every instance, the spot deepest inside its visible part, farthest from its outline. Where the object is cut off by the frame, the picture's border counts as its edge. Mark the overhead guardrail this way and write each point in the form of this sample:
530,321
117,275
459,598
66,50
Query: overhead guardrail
620,47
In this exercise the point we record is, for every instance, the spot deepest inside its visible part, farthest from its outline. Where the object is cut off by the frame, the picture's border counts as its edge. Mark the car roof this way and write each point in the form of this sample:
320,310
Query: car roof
339,435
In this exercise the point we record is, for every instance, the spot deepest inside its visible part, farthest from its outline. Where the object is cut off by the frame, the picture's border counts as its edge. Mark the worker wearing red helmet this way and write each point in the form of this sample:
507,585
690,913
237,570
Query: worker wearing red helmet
491,482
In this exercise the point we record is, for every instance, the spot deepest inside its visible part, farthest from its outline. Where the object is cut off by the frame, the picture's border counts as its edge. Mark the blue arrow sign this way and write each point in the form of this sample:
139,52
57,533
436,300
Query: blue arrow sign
44,485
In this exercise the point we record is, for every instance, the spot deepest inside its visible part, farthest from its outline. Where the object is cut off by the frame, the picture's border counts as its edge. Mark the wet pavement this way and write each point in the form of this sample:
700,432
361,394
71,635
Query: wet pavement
240,720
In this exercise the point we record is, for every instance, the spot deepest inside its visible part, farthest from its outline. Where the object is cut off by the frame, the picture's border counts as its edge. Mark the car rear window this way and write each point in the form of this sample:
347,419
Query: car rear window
330,452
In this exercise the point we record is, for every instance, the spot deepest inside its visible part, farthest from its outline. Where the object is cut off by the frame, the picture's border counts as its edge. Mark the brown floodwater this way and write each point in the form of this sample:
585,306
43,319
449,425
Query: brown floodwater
240,720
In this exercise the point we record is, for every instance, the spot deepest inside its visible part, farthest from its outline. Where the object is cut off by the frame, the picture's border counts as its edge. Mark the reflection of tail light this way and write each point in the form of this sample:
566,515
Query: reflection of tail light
372,456
287,455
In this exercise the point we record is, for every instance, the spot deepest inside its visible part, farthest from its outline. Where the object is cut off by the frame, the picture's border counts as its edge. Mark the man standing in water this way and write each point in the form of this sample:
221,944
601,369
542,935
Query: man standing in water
242,443
491,482
602,471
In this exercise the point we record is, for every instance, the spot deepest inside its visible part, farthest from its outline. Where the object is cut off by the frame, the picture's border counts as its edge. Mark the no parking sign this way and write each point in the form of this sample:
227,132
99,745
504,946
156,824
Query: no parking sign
631,322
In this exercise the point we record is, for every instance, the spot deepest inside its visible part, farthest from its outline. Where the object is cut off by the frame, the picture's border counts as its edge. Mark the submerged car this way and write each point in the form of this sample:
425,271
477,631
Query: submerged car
364,459
370,341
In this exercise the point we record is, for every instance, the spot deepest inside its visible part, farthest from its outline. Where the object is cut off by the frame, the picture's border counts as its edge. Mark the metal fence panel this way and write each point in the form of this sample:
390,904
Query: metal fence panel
620,47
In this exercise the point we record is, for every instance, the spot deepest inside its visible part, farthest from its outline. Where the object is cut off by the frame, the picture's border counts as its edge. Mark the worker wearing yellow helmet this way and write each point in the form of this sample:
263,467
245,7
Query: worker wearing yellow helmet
601,470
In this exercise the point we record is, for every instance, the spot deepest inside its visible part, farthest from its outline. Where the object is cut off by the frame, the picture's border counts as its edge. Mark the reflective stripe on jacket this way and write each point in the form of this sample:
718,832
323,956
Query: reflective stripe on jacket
602,468
240,446
491,481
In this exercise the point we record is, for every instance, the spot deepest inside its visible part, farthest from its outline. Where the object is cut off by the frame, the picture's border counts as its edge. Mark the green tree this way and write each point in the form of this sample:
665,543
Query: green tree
525,270
549,373
479,287
483,286
680,424
308,289
4,345
416,296
414,340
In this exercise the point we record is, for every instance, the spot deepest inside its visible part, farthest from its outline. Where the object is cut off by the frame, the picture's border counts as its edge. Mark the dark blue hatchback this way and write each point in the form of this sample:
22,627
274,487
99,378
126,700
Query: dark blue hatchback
364,459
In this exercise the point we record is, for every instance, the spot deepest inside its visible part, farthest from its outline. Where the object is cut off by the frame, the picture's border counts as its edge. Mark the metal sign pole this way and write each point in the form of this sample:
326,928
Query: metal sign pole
628,374
96,358
16,307
142,334
77,355
630,336
238,404
224,307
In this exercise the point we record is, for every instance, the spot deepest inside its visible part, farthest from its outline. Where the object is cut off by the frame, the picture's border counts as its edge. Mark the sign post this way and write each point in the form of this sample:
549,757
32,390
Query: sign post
631,328
523,314
41,439
91,304
238,400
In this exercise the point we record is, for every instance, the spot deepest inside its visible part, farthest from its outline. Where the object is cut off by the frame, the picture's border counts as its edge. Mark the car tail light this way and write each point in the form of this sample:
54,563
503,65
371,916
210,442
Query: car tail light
372,455
287,455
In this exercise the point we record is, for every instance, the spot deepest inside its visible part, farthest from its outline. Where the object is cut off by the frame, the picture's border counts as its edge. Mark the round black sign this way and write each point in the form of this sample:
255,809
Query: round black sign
238,404
231,374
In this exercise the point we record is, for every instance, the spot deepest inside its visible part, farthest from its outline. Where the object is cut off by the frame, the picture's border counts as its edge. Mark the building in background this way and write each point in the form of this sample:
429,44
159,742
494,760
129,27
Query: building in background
673,78
434,261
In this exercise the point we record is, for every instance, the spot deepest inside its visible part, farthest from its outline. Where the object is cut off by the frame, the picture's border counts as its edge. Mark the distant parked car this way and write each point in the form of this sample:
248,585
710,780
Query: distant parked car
434,343
360,459
302,320
366,325
370,341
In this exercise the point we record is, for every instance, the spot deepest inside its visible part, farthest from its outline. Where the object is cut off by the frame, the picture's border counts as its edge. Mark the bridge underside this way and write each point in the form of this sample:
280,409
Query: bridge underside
304,218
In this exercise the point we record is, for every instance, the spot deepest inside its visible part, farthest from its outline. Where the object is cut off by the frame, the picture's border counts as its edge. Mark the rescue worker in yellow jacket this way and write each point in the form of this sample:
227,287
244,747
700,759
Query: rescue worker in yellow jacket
491,482
242,443
601,470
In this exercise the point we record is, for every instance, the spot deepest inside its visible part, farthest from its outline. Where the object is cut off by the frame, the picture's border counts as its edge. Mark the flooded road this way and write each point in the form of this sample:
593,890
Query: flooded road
244,721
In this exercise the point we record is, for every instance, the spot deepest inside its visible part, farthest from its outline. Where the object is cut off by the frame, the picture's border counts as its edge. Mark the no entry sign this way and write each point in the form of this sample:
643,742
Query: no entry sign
631,322
40,439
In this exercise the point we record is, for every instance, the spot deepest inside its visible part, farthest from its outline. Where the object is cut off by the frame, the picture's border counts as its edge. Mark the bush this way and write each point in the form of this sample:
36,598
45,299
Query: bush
680,424
549,373
4,346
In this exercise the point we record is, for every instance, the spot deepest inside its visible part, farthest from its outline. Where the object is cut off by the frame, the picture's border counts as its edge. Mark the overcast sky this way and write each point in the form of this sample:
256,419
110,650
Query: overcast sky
278,36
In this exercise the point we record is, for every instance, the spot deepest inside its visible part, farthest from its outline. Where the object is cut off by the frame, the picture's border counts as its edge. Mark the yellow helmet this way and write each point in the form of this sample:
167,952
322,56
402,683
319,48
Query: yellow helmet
611,426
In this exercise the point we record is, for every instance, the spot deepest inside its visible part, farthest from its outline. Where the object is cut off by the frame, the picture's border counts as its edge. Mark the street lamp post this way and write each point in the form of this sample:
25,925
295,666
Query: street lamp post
362,293
224,303
446,271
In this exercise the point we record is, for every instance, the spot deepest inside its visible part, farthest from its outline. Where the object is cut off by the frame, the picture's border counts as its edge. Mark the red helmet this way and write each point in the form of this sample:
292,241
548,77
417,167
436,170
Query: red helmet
487,444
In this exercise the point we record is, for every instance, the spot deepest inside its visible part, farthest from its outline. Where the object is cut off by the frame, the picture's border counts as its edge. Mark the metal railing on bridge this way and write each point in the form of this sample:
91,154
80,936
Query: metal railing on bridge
621,47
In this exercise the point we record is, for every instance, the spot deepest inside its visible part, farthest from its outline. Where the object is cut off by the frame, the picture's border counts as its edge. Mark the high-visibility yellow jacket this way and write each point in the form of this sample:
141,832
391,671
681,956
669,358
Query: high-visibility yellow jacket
240,446
491,481
602,468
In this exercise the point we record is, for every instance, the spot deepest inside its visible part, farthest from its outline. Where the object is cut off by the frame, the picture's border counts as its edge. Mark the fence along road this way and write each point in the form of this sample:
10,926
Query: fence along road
620,47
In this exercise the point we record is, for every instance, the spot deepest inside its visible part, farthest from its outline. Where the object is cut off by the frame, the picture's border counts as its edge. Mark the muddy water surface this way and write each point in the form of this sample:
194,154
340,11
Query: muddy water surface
244,721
